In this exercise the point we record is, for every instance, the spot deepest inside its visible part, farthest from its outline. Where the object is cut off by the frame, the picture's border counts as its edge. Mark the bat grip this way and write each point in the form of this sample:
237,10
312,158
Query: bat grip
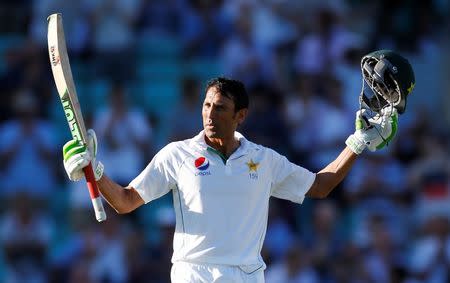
366,122
100,213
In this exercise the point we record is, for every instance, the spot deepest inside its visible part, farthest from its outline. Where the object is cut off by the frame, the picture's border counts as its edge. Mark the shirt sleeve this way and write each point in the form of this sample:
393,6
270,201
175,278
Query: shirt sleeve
290,181
159,177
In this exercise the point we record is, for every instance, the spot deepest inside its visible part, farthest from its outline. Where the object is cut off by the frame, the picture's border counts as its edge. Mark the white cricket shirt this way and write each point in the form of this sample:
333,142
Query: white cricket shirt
221,207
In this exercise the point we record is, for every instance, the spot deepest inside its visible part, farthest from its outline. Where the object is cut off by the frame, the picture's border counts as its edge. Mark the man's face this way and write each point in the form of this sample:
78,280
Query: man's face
219,117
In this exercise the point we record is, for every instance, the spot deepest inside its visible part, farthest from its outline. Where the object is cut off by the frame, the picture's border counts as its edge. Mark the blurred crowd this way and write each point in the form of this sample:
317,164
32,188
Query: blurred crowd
140,67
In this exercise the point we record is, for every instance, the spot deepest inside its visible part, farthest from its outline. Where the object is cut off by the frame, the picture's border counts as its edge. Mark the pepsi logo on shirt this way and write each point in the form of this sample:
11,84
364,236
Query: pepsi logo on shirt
202,164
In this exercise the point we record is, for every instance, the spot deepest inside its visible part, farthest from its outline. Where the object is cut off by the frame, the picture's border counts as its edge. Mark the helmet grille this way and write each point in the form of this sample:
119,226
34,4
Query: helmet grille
380,79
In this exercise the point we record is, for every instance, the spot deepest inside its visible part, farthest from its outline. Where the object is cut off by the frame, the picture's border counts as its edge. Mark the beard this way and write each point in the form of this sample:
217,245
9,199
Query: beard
212,133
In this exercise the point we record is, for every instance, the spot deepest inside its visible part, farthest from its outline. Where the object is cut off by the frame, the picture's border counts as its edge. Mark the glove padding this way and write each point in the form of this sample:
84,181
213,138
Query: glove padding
77,155
373,133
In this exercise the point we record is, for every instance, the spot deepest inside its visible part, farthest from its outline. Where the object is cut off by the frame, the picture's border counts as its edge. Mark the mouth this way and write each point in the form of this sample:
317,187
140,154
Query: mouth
211,128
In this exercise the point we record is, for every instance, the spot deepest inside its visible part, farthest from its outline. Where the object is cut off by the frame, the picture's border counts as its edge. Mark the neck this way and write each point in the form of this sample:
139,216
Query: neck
226,146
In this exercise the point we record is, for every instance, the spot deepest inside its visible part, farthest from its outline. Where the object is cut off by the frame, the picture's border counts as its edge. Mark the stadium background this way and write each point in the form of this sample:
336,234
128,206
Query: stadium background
140,67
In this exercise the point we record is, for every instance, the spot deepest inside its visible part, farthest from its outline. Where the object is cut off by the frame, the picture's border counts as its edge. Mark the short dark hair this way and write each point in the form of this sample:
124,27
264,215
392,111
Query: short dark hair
232,89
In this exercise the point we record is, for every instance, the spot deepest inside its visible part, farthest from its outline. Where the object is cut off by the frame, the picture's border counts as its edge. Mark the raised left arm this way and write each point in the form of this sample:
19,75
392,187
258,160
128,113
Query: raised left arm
373,133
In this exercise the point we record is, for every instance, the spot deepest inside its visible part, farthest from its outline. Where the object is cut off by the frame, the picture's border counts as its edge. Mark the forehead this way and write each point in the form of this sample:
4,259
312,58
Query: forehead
214,95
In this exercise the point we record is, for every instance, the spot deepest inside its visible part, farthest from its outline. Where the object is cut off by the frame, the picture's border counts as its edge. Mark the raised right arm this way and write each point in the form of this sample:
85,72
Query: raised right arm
77,156
123,200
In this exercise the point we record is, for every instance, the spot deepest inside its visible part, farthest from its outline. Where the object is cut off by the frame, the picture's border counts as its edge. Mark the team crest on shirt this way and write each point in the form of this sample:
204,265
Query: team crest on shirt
202,164
253,169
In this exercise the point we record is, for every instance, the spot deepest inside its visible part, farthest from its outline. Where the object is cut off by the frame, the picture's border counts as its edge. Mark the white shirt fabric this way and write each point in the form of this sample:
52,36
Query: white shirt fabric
221,208
213,273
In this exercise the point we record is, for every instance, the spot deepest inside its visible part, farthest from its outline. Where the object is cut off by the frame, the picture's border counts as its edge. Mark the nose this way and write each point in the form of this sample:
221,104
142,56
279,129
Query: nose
210,113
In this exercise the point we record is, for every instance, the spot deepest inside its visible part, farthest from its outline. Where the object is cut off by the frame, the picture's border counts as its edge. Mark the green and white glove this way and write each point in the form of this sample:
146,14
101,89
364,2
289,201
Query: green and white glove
373,133
77,156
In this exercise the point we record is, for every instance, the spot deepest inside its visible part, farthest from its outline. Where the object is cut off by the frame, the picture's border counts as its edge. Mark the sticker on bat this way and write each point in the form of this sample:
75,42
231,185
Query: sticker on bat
55,58
70,115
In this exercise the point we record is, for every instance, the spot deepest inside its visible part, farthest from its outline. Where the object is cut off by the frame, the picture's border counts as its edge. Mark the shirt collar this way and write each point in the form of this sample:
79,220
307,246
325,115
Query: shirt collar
245,145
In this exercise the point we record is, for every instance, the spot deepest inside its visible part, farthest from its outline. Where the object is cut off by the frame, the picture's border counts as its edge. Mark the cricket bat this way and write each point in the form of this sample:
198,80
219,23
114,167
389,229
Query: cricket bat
62,74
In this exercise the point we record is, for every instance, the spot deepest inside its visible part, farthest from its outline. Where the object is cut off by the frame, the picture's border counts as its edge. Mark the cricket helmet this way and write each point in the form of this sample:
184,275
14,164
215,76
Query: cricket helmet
388,79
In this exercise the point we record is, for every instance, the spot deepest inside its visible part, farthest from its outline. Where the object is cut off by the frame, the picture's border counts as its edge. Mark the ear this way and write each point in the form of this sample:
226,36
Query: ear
241,115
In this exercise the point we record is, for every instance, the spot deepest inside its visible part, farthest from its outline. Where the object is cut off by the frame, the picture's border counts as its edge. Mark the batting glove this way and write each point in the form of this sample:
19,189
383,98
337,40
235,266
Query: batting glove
373,133
77,156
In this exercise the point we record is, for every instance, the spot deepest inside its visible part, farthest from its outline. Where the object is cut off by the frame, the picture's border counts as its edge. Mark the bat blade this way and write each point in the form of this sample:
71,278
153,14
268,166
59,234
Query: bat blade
62,74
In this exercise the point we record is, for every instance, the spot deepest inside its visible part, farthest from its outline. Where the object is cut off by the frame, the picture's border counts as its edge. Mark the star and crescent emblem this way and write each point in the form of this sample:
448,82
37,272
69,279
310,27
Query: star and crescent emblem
252,166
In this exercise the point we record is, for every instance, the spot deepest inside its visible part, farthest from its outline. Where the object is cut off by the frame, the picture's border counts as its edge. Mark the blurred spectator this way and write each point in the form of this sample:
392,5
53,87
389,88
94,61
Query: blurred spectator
91,251
191,101
26,68
71,258
317,138
274,23
406,24
203,27
25,237
159,17
13,60
139,260
294,268
264,123
124,134
332,126
324,45
243,57
324,238
411,135
280,233
430,252
118,18
27,145
161,252
382,259
79,272
14,16
375,187
36,77
75,20
348,71
298,110
429,176
149,260
349,267
109,262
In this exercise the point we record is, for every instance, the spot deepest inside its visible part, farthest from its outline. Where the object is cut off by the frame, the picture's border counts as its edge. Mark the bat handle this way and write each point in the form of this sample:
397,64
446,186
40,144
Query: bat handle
365,122
100,213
